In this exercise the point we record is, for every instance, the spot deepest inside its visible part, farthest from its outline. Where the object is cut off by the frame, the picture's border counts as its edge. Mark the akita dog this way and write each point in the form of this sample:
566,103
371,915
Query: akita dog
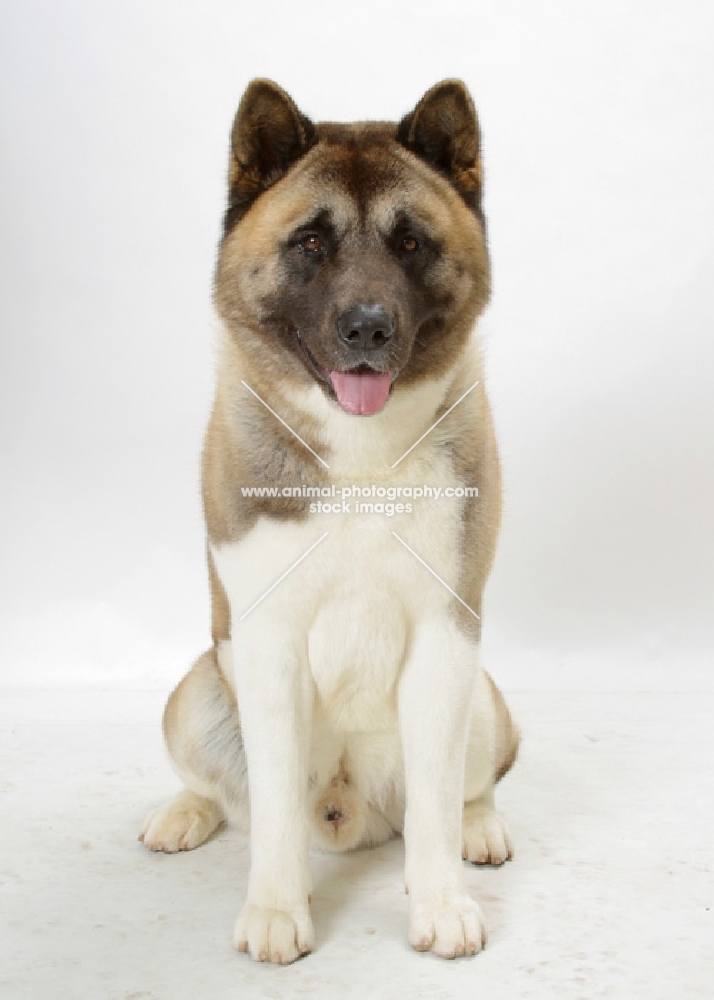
343,698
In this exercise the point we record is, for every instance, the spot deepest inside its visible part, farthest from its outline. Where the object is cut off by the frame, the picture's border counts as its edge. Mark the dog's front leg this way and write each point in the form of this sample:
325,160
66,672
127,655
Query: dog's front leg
435,693
274,695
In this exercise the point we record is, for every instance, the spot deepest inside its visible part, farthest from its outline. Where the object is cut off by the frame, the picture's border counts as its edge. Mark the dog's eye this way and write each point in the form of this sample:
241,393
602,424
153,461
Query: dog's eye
410,244
311,244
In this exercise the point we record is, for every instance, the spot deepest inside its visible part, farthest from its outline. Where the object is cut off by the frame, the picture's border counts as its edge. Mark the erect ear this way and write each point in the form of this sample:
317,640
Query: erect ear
269,134
443,131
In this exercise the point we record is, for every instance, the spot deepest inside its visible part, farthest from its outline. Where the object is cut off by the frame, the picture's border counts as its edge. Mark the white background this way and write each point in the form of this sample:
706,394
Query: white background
598,127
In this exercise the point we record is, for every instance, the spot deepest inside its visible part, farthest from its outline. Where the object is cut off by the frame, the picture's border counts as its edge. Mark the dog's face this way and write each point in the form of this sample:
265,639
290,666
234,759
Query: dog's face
356,253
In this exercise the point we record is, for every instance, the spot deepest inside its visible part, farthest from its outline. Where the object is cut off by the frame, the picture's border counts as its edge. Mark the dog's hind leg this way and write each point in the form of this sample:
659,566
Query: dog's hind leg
203,739
492,750
485,838
187,821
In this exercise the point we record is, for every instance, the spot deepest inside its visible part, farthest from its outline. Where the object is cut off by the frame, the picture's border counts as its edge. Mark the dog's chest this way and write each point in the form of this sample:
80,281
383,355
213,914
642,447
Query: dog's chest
357,639
351,605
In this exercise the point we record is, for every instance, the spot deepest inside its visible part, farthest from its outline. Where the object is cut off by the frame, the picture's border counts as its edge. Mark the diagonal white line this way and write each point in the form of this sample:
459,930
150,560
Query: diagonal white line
287,571
432,428
436,574
288,425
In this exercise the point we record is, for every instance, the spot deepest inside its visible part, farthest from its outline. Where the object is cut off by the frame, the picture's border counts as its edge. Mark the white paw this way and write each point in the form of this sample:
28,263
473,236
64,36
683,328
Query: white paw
270,935
184,823
485,840
448,929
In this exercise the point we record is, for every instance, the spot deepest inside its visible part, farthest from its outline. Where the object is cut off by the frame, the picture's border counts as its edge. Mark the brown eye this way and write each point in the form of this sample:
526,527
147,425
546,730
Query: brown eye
312,244
410,243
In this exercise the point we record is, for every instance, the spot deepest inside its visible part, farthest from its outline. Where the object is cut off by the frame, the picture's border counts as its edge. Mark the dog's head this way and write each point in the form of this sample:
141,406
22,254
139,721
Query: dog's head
355,252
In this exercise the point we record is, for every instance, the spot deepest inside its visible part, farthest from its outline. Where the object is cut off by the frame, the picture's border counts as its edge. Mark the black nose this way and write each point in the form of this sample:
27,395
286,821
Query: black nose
365,328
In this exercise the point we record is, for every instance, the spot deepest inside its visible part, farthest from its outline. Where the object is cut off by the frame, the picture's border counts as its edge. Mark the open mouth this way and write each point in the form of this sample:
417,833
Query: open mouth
360,390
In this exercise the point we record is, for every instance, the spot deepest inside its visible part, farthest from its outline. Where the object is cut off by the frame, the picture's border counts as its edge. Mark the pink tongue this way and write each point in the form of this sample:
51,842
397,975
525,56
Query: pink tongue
361,393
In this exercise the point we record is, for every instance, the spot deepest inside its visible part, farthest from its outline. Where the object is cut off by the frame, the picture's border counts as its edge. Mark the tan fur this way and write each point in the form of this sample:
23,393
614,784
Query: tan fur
220,608
202,732
508,737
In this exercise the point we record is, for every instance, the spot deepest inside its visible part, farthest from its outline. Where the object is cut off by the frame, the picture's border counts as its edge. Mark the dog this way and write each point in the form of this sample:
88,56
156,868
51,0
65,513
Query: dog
342,701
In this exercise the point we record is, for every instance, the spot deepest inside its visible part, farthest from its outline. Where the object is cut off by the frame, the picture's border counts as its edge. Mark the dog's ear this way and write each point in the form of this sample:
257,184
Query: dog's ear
443,131
269,134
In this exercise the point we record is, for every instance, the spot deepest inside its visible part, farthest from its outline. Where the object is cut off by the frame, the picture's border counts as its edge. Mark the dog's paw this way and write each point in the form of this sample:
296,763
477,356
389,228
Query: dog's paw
449,929
485,839
184,823
271,935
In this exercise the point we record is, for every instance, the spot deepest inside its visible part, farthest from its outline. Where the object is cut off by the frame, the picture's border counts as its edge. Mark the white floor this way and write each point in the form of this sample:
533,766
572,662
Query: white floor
610,893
